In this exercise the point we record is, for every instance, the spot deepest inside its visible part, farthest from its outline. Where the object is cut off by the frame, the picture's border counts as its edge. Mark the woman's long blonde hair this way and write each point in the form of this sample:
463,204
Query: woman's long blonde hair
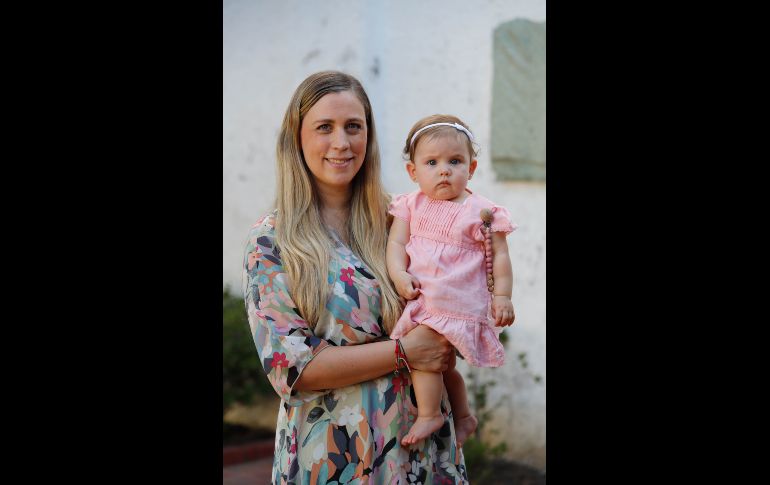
304,243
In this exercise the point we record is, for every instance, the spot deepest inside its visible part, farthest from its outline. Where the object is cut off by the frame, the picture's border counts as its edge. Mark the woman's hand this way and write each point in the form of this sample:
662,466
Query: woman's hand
406,285
427,350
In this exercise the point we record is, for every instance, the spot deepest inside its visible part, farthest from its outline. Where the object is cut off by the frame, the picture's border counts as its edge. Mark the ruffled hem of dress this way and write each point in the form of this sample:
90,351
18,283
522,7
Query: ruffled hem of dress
476,340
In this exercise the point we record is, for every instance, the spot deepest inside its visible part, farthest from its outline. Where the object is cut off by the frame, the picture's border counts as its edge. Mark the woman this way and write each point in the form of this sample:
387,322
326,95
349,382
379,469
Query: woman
320,306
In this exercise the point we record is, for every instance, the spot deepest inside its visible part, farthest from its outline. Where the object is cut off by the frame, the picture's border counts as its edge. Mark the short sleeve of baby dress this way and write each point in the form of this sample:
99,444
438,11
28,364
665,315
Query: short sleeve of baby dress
399,207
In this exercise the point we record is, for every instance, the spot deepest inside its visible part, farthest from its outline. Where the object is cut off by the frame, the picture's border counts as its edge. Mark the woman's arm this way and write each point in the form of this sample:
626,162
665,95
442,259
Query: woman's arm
283,339
288,348
397,260
344,366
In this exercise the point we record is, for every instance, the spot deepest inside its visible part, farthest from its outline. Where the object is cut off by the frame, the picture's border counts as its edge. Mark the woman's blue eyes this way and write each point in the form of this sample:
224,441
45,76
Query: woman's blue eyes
349,126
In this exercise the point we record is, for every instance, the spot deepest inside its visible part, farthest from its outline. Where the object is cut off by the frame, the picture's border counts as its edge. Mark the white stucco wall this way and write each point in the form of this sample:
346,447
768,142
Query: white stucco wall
414,59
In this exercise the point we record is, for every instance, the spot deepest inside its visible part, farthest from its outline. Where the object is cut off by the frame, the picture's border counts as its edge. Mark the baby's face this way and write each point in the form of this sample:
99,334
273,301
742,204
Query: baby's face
442,166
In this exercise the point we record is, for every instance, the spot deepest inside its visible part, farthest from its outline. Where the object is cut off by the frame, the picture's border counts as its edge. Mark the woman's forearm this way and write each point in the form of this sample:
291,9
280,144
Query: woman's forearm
344,366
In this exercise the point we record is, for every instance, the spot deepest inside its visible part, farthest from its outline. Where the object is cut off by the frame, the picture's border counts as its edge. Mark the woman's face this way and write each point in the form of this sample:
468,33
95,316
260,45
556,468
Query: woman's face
333,136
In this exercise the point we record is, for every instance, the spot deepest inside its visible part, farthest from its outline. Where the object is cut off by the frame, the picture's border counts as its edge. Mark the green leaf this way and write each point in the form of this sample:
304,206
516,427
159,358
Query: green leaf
347,473
323,474
316,429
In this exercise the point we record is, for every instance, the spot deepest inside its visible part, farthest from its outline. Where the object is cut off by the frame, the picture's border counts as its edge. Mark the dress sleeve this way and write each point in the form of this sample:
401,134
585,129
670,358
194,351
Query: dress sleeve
399,208
501,220
285,343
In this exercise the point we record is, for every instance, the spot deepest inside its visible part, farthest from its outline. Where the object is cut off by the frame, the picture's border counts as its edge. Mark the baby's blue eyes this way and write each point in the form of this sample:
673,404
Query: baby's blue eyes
454,161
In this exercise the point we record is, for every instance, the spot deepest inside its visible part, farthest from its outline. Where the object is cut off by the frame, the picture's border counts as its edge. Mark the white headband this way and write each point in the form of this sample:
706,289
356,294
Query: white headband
453,125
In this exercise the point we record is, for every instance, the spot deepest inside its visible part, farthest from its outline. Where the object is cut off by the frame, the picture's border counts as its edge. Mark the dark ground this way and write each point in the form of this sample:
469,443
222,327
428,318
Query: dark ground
497,471
233,434
506,472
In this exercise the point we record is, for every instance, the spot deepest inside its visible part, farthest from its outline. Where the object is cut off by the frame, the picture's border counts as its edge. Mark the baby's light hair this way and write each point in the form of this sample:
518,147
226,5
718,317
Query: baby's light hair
417,133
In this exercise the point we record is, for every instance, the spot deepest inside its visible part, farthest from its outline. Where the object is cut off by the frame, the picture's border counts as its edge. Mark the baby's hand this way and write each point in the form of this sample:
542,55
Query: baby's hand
502,311
406,285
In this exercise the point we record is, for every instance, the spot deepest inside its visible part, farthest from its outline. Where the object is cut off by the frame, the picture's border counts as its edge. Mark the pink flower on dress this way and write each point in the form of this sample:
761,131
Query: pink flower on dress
293,448
347,275
362,317
279,360
399,382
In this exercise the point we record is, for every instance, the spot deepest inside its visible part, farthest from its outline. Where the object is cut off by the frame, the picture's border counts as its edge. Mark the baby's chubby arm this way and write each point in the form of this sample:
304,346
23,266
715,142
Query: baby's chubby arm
397,260
502,308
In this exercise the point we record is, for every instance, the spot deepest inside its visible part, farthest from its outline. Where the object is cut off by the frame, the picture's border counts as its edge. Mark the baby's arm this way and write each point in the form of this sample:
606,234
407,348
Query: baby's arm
397,260
502,308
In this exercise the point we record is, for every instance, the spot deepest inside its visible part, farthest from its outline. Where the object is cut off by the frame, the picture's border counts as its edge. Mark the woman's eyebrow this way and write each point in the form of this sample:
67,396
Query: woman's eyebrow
329,120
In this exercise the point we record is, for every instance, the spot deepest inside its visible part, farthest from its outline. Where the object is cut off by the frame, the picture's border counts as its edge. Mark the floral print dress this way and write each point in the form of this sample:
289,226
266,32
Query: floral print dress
351,435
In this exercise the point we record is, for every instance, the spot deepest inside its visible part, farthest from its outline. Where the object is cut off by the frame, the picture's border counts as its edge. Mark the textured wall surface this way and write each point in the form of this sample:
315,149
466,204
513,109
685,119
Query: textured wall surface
414,59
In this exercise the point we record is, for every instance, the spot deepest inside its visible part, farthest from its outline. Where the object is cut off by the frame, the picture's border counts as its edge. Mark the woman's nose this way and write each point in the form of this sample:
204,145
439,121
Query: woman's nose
340,140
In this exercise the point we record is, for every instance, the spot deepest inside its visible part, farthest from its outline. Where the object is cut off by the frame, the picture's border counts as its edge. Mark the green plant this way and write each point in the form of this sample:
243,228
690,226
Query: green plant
522,356
242,374
479,454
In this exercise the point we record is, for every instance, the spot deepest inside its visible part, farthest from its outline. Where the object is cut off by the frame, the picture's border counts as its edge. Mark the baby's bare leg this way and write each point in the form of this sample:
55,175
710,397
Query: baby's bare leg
428,388
465,422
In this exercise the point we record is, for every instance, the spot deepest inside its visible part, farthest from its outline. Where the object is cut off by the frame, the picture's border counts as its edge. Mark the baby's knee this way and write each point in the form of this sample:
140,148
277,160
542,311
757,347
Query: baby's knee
452,375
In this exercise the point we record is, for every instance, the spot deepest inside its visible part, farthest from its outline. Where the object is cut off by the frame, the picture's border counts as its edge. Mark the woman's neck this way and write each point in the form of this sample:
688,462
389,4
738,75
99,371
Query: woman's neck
335,211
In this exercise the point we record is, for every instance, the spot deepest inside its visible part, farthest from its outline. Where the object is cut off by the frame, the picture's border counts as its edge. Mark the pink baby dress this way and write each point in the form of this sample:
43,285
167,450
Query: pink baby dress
446,254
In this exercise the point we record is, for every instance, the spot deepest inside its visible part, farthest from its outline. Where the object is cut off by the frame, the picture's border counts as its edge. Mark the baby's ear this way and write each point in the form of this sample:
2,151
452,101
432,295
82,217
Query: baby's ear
472,167
410,169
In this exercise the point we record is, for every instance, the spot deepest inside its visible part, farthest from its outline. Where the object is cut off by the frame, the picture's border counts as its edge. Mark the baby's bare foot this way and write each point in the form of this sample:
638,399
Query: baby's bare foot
422,428
465,427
